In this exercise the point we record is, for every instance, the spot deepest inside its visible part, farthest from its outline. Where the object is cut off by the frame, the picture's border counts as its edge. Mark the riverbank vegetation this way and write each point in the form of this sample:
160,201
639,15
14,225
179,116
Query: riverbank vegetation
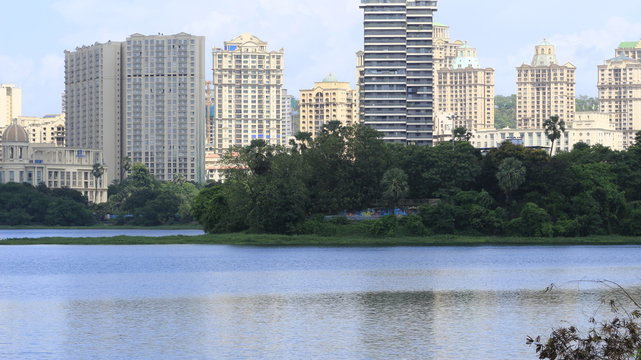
450,188
267,240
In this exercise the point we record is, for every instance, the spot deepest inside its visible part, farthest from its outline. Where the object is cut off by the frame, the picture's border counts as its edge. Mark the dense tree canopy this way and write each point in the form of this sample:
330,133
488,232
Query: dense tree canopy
512,190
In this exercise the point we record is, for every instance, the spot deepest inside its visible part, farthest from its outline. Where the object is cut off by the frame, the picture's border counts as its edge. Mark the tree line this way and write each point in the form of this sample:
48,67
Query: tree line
140,199
512,190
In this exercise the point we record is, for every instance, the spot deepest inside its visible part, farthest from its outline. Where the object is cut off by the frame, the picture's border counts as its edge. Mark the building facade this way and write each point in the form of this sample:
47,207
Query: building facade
93,101
56,167
328,100
10,104
465,91
248,94
164,104
397,88
289,128
544,89
588,127
445,50
631,49
49,129
619,84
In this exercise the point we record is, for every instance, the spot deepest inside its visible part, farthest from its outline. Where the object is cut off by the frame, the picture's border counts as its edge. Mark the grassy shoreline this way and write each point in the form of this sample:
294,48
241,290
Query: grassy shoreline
268,240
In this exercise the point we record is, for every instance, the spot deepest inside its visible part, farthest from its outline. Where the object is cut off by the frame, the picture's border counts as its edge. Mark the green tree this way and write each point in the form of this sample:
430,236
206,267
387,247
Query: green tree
505,111
586,103
461,134
511,175
395,186
554,127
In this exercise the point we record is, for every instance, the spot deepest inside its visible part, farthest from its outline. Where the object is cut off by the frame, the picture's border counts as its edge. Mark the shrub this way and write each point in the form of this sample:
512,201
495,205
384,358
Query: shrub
384,227
413,225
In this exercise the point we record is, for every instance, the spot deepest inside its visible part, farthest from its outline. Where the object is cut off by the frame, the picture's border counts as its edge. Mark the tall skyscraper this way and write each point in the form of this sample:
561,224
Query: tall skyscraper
93,101
248,94
619,85
164,101
397,91
465,92
544,89
328,100
143,99
10,104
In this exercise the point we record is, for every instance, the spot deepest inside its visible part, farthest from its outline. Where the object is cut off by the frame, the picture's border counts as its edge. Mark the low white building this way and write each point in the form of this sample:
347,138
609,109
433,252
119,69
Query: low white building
56,167
588,127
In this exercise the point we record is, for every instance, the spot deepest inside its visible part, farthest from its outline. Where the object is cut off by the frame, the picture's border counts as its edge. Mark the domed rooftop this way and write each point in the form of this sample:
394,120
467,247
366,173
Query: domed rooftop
15,133
621,58
330,78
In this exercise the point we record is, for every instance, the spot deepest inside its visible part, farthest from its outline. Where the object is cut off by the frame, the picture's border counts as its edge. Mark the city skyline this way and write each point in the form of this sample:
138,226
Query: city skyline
332,32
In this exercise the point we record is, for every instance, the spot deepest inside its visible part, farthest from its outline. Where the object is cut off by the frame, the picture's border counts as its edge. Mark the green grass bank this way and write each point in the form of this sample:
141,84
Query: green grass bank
242,239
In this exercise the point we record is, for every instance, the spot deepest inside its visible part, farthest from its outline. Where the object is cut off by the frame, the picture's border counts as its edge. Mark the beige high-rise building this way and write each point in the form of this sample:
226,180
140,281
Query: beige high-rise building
465,92
619,85
248,94
445,50
631,49
164,104
544,89
329,100
143,99
93,101
10,104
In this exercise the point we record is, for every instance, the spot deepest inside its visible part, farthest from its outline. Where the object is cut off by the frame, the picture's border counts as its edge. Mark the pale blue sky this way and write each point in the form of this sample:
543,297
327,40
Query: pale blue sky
319,36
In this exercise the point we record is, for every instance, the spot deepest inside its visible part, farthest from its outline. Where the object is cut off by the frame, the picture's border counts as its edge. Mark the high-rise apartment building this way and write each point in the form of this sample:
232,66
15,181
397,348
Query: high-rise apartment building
142,99
10,104
465,91
445,50
164,104
93,101
288,115
619,85
397,90
544,89
329,100
631,49
248,94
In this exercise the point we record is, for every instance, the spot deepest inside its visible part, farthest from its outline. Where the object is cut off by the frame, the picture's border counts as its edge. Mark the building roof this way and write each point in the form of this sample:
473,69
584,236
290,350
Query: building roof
439,24
628,45
15,133
621,58
330,78
245,38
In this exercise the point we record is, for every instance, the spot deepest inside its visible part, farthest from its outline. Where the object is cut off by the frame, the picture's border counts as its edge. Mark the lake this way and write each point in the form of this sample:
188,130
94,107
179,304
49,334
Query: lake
78,233
226,302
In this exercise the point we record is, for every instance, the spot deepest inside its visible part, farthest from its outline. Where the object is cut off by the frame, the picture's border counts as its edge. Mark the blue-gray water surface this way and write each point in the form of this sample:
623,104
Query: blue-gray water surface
226,302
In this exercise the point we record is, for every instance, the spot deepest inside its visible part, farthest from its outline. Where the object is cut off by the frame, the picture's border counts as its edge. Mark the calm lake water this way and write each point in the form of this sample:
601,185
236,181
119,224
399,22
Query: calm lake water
225,302
74,233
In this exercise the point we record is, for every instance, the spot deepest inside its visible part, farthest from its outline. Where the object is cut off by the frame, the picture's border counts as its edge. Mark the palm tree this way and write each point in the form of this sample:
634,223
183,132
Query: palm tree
395,186
511,175
554,127
97,171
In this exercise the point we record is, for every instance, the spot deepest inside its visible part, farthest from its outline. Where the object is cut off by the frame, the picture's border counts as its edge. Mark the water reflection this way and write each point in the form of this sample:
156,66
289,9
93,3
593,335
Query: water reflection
199,302
382,325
